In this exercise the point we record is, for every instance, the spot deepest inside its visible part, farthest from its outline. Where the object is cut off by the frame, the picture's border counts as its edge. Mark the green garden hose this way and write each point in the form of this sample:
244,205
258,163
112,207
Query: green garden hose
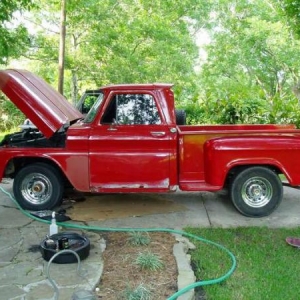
96,228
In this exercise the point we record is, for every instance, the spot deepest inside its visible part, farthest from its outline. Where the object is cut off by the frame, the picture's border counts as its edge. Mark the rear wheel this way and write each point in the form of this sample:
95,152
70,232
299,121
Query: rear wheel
256,191
38,187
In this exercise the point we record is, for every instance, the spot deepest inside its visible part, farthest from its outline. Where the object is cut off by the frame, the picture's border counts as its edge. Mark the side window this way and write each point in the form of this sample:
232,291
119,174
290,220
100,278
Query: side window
132,109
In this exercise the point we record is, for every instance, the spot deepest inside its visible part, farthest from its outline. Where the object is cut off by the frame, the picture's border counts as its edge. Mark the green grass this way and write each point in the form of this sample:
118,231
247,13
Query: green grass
267,268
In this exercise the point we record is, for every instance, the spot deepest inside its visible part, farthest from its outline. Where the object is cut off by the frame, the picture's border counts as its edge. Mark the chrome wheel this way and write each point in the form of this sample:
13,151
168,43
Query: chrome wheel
36,189
257,192
38,186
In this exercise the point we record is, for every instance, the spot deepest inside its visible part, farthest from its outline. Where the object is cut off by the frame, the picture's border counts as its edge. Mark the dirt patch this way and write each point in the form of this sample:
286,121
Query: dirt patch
121,273
114,206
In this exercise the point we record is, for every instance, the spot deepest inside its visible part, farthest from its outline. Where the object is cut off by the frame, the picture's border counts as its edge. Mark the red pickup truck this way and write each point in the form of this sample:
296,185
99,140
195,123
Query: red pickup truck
129,142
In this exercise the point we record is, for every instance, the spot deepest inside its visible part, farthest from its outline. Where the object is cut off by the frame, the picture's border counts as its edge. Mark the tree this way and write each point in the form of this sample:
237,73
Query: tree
250,71
62,47
291,9
121,41
13,38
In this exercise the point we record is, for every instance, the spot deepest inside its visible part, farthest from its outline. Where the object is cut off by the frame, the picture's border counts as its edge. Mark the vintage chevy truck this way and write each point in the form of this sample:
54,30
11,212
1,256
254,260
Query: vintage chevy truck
129,142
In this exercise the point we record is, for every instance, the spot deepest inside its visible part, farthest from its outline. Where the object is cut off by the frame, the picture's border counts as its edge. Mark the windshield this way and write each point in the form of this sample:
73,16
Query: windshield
94,109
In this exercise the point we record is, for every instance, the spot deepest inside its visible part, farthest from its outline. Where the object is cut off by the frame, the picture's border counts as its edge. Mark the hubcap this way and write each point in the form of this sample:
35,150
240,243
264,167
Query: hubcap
36,188
257,192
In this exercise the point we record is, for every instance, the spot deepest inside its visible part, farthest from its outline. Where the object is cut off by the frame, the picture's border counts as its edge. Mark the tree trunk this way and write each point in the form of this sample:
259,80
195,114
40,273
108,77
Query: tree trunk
74,87
62,42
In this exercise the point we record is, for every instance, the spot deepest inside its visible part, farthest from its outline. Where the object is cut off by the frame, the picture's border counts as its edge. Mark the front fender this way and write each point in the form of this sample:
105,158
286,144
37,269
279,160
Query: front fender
73,166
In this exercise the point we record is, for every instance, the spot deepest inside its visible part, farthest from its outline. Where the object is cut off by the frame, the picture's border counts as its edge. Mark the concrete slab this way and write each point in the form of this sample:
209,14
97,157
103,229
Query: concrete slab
222,213
193,212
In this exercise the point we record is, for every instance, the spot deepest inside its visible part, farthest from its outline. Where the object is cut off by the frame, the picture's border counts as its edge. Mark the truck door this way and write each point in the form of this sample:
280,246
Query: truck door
131,146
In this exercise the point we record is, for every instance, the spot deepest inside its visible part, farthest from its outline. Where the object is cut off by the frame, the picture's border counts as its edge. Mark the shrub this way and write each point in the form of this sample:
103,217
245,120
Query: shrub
149,261
140,293
137,238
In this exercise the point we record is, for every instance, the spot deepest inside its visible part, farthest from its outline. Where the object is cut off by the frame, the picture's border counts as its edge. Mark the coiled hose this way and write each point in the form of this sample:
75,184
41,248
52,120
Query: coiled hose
56,291
183,233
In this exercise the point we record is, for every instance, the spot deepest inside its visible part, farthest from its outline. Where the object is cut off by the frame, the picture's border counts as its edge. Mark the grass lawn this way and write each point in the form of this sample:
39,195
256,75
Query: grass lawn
267,267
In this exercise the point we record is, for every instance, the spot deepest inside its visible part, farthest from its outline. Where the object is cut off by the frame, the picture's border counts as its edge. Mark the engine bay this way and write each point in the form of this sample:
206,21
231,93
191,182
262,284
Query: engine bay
33,138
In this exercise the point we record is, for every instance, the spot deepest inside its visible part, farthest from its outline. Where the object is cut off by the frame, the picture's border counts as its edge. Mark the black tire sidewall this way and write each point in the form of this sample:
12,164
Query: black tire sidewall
236,187
51,173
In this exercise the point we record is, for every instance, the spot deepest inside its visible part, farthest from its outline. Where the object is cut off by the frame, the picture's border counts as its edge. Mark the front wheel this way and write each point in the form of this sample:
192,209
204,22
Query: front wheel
256,192
38,187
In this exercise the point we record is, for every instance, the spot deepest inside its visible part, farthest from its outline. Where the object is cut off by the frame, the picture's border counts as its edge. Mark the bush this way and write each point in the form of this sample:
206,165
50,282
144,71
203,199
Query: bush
10,116
137,238
243,111
140,293
149,261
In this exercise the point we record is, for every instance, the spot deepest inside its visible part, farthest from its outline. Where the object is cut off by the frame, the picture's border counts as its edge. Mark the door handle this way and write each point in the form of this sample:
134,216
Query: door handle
158,133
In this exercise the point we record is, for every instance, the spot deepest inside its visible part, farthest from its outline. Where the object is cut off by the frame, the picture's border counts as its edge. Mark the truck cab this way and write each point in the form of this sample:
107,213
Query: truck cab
133,138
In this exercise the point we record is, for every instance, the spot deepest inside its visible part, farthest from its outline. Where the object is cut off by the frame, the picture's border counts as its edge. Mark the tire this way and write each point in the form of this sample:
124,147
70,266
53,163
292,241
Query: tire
180,117
256,192
38,187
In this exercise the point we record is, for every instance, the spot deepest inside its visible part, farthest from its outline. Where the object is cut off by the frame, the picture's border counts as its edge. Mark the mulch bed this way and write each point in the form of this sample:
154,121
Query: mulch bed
122,273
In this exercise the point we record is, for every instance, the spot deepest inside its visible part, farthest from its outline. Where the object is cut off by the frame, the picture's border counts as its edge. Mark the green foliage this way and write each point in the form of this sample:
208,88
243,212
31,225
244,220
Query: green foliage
13,38
7,8
139,293
244,111
291,9
10,116
137,238
250,73
149,261
119,42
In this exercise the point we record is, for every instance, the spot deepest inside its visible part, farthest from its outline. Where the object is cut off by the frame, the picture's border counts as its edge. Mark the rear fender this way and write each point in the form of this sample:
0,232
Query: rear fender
278,152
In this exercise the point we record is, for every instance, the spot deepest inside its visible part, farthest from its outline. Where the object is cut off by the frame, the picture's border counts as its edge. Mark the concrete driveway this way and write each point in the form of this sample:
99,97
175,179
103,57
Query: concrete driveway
207,209
176,210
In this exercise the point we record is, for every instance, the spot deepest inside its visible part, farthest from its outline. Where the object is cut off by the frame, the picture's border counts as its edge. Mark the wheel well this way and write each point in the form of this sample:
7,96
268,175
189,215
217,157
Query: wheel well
17,163
237,169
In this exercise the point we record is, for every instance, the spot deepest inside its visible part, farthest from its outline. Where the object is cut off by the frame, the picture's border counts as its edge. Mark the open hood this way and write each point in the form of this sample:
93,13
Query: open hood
43,105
